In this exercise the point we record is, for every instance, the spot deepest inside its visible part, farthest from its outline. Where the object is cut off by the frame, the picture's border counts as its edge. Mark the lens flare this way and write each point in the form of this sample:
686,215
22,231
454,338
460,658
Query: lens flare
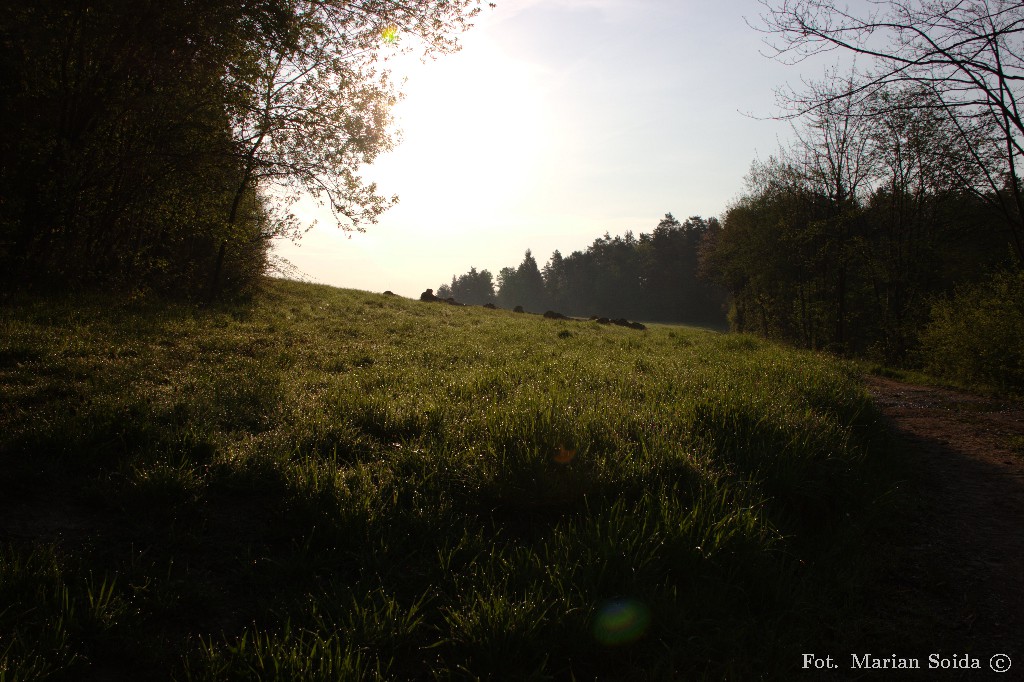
390,35
564,455
621,621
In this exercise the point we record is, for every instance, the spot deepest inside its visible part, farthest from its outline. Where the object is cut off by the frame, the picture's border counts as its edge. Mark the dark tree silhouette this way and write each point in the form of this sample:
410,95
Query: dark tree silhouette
474,288
841,241
651,277
522,286
141,141
966,57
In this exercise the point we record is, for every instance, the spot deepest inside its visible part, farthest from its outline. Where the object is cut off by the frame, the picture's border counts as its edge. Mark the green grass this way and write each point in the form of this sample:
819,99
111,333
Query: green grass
327,484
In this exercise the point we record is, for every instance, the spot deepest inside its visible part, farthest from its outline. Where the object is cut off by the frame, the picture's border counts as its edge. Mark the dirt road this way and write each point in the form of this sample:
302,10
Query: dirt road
957,571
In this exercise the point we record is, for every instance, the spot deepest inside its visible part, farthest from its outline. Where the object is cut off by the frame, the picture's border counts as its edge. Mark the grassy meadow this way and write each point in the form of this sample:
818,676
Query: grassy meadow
326,484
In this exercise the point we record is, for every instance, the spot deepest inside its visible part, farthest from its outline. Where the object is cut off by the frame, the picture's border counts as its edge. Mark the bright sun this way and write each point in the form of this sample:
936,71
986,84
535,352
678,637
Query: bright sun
474,132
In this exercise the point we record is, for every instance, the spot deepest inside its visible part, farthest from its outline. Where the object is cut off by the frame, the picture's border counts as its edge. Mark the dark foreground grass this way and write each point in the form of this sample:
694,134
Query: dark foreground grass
329,484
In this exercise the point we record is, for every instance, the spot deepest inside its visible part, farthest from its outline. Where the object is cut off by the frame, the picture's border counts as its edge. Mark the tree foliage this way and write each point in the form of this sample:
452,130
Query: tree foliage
974,337
157,144
523,285
474,288
965,56
902,183
651,277
842,240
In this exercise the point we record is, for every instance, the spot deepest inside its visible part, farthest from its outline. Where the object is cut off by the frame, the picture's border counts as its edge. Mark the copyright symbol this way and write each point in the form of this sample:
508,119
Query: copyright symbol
1000,663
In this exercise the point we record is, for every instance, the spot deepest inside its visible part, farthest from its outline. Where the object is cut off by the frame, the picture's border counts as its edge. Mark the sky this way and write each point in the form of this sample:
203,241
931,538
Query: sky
558,121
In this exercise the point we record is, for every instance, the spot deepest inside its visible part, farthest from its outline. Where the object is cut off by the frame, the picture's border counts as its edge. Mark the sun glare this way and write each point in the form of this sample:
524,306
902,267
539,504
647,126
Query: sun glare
473,133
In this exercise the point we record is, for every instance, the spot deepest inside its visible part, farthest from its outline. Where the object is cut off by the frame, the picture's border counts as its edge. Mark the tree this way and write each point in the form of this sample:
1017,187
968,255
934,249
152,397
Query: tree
841,241
967,55
508,288
834,158
522,286
917,214
445,290
769,253
312,105
554,280
644,277
147,143
475,288
671,287
113,119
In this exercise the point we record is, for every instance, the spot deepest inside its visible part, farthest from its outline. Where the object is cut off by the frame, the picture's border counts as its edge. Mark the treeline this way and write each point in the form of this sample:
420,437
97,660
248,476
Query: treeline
844,241
653,276
894,225
142,139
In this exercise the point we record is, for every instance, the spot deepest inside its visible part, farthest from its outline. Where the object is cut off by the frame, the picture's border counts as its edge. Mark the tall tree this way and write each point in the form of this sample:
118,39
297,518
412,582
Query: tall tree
554,280
475,288
522,286
312,105
967,54
111,110
671,286
769,255
834,157
916,214
509,295
143,139
841,241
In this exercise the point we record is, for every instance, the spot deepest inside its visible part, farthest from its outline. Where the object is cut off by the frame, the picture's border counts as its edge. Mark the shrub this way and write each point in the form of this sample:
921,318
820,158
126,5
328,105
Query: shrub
975,337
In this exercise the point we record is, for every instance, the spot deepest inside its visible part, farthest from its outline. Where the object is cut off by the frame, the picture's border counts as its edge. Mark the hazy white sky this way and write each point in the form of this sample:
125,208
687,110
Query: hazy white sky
558,121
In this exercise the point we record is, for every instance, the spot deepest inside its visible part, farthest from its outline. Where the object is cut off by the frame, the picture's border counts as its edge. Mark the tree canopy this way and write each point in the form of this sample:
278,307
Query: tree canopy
963,58
652,277
903,183
474,288
158,144
842,240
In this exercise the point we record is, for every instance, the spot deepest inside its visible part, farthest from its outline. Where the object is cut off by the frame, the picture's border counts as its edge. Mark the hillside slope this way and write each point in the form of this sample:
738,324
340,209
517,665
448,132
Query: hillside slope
333,484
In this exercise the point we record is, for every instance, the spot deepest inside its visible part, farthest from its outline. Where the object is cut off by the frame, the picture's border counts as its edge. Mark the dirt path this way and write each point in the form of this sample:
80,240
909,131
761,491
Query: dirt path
958,568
